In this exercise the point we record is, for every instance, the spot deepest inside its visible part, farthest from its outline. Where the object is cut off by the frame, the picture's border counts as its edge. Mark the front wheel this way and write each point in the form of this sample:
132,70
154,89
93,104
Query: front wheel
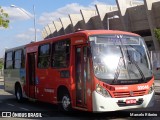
18,94
65,102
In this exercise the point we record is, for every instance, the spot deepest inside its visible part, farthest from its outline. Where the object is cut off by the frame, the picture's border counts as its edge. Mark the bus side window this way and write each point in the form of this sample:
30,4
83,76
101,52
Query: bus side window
18,59
44,56
9,60
61,54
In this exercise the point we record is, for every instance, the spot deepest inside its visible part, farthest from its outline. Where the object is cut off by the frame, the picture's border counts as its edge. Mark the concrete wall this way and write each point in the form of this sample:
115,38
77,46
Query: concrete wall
87,16
52,30
102,11
140,17
138,20
156,12
77,21
66,24
59,28
44,35
47,31
150,15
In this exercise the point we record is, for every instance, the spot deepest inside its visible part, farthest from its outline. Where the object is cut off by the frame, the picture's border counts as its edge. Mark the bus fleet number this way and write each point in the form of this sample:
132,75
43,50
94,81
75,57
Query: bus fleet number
143,87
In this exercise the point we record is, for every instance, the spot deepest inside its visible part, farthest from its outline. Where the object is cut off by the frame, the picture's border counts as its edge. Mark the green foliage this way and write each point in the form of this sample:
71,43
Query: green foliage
1,63
157,34
4,22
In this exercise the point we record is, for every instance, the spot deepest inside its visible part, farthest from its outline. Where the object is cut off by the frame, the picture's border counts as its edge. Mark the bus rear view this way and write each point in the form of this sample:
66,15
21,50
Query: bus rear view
122,73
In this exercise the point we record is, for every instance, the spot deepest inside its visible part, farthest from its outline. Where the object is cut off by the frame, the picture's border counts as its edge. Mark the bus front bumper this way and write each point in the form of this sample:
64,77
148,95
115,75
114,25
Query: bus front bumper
102,104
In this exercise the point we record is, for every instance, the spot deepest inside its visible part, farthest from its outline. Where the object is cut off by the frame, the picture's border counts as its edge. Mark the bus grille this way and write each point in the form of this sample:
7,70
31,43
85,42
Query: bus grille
129,94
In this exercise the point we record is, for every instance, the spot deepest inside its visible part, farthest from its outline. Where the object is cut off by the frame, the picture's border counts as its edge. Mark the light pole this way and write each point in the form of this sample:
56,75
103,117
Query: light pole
35,30
115,16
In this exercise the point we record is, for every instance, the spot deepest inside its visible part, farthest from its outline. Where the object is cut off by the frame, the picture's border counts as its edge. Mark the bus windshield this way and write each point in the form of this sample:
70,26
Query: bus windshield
120,59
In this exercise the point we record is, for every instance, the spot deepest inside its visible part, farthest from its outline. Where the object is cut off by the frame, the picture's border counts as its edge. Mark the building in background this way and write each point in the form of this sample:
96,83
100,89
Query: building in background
140,17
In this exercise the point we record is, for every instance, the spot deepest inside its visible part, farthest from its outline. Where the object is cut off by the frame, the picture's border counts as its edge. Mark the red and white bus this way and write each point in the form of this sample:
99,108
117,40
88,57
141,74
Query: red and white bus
90,70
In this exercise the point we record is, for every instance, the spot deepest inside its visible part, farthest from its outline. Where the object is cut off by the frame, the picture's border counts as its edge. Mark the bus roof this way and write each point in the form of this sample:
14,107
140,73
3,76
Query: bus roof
85,33
15,48
94,32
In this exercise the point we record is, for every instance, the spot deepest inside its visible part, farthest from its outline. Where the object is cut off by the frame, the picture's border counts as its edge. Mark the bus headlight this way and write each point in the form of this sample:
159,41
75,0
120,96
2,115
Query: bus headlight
151,89
102,91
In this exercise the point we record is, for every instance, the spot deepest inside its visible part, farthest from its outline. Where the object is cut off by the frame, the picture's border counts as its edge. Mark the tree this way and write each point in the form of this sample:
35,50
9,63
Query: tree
157,34
4,22
1,63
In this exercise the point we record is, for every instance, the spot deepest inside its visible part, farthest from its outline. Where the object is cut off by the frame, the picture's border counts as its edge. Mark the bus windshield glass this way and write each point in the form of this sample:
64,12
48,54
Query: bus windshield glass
120,58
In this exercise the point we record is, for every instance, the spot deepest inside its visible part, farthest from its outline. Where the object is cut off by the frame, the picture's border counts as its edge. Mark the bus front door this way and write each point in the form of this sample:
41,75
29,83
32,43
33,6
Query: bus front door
82,76
31,74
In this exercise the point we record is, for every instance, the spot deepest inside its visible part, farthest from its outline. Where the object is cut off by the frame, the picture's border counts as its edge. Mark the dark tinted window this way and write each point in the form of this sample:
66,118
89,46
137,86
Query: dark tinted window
9,60
9,56
17,59
61,54
44,56
44,50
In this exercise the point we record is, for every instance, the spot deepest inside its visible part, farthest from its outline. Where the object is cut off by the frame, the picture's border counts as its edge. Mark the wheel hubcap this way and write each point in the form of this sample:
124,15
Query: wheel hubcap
18,95
65,102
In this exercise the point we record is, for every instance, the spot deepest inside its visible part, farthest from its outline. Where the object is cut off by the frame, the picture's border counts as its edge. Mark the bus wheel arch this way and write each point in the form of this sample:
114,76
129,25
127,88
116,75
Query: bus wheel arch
64,99
18,92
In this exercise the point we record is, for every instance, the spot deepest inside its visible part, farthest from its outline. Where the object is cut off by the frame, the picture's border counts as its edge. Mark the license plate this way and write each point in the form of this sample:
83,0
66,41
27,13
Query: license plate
131,101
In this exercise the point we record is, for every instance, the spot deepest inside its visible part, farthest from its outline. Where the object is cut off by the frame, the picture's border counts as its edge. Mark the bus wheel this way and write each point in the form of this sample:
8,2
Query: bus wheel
65,102
18,94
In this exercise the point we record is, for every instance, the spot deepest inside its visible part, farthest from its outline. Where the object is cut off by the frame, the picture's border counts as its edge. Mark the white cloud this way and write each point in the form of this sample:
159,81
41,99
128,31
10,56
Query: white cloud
97,2
33,30
23,36
72,8
17,13
2,28
28,35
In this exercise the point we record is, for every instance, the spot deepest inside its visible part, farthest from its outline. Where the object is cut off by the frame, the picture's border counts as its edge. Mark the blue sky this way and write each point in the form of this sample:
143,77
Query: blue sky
21,30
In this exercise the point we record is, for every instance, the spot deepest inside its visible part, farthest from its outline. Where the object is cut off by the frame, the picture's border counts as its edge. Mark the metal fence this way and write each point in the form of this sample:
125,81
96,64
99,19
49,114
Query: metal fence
155,60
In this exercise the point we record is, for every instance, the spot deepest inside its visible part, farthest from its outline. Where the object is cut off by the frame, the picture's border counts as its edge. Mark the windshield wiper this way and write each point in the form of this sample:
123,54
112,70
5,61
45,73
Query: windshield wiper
134,62
117,72
119,66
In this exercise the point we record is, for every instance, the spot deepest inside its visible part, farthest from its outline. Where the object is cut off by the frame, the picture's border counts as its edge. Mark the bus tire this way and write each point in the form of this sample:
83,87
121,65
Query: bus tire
65,102
18,94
